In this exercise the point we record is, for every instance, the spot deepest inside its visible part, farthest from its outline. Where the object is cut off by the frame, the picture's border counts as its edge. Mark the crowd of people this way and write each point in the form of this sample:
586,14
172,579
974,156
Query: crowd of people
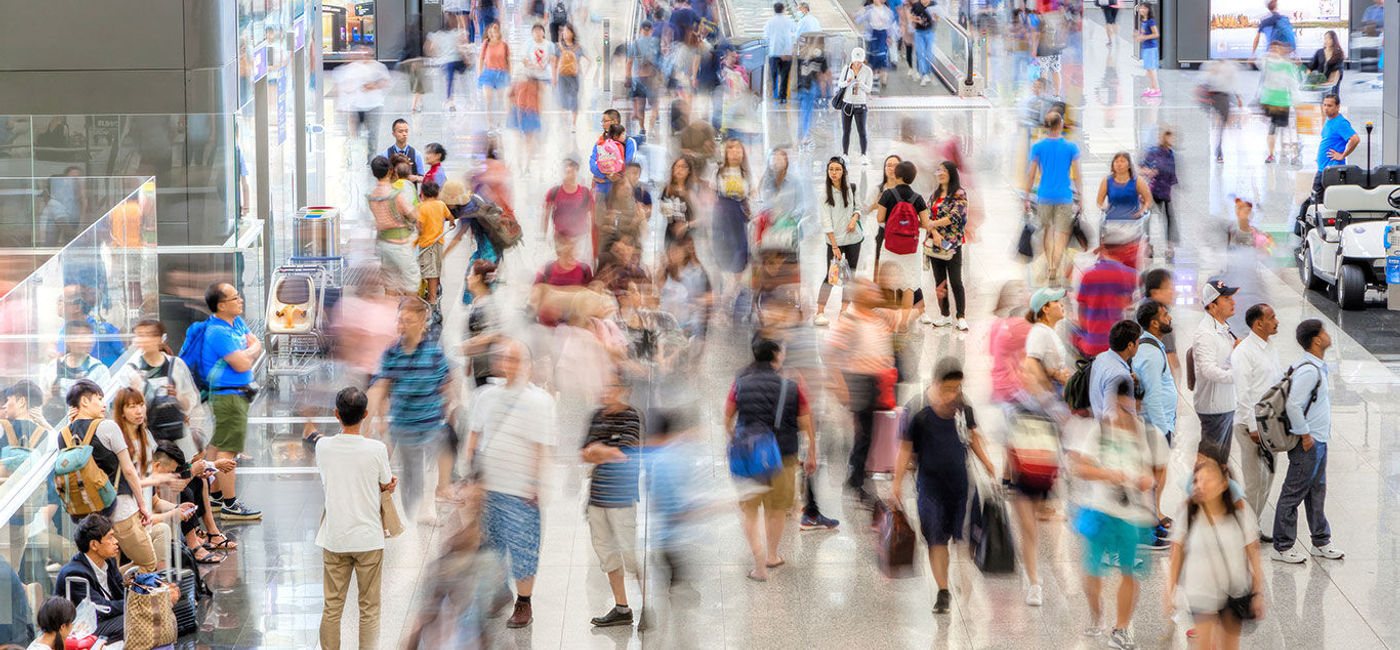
599,362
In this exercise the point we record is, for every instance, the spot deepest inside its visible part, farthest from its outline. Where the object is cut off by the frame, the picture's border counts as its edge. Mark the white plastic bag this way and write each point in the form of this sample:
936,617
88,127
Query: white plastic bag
86,622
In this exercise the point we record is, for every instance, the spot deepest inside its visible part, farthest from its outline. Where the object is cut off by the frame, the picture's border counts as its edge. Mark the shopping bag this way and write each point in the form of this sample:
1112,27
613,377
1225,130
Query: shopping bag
989,534
150,619
389,514
895,551
884,441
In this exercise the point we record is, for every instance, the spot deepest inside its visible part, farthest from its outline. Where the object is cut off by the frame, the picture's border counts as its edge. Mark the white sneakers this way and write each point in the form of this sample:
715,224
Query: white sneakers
925,80
942,321
1294,556
821,320
1034,597
962,324
1329,551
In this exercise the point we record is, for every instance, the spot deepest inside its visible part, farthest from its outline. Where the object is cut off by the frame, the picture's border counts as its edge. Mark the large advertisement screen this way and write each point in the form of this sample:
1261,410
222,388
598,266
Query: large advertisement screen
1234,24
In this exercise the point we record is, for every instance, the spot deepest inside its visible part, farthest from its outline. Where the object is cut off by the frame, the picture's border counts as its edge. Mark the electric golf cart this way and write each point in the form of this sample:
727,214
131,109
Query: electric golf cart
1344,237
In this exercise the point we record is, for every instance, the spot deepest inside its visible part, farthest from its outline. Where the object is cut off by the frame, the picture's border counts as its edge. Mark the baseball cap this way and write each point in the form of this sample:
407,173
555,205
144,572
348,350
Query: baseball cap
1045,296
858,54
1243,196
1215,289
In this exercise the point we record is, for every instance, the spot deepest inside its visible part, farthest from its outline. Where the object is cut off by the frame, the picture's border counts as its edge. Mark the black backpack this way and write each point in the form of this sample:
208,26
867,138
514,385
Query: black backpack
559,14
164,416
1076,391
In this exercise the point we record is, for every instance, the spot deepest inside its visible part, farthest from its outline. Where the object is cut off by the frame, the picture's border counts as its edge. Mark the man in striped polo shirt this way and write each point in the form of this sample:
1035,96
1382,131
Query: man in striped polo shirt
415,380
611,446
1105,293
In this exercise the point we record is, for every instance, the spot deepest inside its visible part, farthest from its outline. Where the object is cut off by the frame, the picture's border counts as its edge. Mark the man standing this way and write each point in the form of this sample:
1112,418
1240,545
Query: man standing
1309,418
401,147
781,35
760,396
602,183
1159,285
1054,163
509,446
1208,362
1339,139
226,360
1104,295
354,471
569,206
415,380
614,435
1159,395
1256,368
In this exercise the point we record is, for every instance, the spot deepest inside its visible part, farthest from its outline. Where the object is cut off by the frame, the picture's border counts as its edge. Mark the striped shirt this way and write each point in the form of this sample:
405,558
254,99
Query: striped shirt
614,485
415,395
860,343
1105,293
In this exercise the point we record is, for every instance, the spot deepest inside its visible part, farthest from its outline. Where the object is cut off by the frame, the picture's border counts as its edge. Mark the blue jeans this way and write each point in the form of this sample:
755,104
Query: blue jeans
1306,484
808,98
923,50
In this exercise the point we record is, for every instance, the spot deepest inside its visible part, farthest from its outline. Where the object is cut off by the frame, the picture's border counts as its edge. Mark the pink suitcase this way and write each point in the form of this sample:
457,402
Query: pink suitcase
884,441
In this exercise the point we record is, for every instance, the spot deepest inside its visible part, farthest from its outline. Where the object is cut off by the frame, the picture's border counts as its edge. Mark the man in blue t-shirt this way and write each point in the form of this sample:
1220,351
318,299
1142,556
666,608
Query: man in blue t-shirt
1339,139
227,358
1274,27
1054,162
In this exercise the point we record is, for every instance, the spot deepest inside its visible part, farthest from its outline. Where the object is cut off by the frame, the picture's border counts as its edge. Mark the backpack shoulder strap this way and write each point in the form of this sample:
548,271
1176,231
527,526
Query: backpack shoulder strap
67,433
91,431
782,403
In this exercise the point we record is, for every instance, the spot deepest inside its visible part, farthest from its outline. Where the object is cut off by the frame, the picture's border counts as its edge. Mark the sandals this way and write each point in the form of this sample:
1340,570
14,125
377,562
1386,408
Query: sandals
211,557
224,543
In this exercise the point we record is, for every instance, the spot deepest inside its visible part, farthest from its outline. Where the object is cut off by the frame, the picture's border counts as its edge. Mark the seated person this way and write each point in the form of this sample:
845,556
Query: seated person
93,574
186,491
619,265
55,621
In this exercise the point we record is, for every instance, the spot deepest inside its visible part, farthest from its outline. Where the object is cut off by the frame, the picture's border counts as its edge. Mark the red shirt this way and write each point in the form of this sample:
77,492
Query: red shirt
572,210
1007,346
1105,293
554,276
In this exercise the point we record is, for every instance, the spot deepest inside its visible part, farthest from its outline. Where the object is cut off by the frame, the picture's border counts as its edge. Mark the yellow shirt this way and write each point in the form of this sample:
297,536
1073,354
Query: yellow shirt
432,214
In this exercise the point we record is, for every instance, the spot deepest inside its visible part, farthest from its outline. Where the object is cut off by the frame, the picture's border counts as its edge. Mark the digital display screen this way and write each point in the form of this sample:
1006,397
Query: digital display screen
1234,24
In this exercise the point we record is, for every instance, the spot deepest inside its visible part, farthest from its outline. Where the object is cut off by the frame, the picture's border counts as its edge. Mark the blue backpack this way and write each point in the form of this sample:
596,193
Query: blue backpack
192,353
754,454
1283,32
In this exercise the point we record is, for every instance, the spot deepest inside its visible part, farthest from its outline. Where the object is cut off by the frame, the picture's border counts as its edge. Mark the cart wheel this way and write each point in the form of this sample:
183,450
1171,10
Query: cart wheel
1305,270
1351,287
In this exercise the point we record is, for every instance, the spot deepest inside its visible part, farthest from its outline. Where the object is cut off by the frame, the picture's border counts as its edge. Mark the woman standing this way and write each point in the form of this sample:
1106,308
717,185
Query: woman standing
676,203
494,66
1125,199
1147,37
944,246
841,222
888,181
1329,61
901,252
684,287
729,231
1215,559
568,67
857,80
433,155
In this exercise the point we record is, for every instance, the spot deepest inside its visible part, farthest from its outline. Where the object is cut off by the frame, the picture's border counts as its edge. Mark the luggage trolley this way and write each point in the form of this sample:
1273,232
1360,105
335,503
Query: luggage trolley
299,297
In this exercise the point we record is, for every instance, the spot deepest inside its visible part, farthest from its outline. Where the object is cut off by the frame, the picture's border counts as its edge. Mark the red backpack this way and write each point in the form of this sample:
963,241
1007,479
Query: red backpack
902,226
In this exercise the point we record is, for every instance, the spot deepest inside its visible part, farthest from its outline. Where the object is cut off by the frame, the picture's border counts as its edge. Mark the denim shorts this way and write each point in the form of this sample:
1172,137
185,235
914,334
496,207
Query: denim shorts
493,79
511,525
1111,543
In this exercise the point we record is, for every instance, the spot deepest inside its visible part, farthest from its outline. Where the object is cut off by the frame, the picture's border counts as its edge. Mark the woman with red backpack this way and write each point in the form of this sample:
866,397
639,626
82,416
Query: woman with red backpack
904,215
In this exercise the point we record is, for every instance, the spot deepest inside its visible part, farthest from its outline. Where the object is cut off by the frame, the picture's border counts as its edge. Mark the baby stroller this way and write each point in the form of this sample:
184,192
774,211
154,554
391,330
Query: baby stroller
296,321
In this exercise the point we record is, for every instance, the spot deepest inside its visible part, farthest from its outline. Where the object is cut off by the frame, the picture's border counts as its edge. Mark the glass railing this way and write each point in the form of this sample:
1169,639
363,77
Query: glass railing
70,318
38,216
201,163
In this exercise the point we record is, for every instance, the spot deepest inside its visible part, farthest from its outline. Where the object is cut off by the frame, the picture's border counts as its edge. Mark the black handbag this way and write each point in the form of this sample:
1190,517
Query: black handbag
838,100
989,536
1025,246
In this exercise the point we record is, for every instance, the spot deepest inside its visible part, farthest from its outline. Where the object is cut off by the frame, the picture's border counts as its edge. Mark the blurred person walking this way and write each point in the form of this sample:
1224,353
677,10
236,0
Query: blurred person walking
729,228
1215,560
942,429
1054,174
904,215
569,67
880,25
1277,89
413,386
354,472
924,18
860,355
1159,166
493,65
762,399
1220,91
813,74
780,34
509,444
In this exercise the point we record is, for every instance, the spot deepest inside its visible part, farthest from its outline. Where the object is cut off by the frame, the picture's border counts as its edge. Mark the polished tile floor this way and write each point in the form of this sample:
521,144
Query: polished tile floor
830,594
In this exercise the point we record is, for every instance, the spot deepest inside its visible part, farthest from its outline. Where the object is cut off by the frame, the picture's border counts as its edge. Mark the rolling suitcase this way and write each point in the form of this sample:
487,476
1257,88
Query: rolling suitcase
884,441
